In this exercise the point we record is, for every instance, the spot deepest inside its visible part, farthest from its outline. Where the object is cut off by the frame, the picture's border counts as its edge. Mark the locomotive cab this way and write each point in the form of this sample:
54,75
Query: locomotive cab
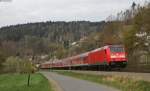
117,56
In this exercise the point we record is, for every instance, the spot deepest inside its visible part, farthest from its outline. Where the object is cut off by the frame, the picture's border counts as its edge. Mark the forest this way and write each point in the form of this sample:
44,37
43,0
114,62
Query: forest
44,41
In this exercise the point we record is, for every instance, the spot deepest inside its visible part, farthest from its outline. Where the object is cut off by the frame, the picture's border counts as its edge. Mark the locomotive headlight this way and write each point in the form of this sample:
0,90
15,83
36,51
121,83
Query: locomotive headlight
113,56
117,56
122,56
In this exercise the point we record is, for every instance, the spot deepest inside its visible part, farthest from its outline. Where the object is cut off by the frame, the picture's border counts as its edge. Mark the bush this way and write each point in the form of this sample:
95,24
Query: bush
18,65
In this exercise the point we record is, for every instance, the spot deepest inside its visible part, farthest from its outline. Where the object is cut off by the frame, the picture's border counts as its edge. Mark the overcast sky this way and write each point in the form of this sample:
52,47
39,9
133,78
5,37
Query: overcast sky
23,11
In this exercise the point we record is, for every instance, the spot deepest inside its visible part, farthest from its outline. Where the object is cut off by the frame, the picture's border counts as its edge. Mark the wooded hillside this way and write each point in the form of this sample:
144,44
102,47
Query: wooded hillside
45,38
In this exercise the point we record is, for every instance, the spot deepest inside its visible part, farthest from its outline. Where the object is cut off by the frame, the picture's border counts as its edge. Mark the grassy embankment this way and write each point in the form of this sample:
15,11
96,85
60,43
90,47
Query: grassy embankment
122,83
18,82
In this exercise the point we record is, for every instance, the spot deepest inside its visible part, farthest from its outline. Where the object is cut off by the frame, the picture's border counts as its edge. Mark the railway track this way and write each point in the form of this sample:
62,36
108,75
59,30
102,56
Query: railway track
132,75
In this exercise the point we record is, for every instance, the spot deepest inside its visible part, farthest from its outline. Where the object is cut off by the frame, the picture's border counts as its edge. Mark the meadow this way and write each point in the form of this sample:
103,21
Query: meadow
18,82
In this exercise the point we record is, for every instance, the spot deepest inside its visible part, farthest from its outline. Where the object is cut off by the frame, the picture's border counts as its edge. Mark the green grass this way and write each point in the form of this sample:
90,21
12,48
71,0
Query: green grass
18,82
122,83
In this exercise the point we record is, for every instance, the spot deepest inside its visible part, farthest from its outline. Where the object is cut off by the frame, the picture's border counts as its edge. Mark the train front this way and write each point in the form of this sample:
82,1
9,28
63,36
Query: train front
117,56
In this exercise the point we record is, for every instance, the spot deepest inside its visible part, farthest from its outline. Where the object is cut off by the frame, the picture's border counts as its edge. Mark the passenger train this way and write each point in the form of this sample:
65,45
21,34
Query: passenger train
109,56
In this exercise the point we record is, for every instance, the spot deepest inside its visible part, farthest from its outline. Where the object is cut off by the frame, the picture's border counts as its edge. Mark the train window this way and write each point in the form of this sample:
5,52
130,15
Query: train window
116,49
83,58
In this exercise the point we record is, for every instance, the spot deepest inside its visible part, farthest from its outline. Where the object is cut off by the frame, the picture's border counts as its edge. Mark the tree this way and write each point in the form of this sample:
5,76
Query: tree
136,38
18,65
133,5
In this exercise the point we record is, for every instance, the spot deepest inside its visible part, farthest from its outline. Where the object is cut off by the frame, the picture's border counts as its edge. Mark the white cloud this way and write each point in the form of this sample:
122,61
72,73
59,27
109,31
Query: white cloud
22,11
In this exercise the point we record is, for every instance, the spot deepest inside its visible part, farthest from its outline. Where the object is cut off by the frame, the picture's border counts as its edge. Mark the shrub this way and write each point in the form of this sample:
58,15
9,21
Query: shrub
18,65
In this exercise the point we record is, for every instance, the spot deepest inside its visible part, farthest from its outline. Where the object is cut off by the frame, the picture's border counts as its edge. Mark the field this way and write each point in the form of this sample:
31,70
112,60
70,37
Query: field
122,83
18,82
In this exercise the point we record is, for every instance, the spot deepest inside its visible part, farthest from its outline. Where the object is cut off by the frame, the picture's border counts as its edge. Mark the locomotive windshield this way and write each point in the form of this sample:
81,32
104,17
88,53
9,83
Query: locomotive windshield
116,49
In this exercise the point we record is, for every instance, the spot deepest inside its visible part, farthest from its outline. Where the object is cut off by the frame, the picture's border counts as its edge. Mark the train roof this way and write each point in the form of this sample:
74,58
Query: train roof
98,49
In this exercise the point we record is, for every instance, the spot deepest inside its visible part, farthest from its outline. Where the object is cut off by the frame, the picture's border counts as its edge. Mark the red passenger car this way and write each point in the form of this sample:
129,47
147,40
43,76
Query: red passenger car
109,56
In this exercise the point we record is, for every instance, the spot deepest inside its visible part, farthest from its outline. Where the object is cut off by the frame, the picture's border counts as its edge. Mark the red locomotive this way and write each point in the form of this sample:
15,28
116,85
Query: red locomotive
110,56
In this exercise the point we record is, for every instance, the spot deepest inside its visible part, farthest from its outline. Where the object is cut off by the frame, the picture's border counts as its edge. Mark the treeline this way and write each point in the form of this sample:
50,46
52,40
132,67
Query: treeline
53,31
